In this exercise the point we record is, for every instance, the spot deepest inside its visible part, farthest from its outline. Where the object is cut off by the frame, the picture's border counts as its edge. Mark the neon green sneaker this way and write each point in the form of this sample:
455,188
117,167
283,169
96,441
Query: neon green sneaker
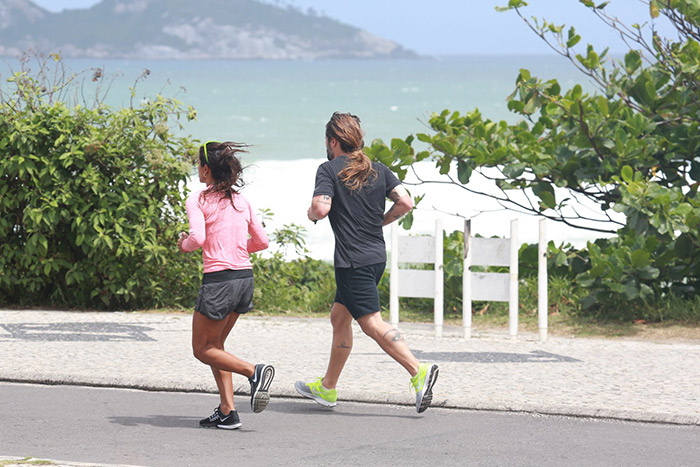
317,392
423,383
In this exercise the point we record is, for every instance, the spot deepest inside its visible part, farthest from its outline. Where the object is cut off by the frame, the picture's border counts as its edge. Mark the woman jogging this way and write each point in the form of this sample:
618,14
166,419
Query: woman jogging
224,226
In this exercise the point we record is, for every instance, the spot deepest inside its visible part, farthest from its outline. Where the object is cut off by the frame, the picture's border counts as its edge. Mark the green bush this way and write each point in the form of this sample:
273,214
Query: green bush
630,147
91,199
302,285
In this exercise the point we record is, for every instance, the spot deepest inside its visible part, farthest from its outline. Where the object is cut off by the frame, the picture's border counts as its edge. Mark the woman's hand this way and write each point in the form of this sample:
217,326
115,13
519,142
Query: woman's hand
183,237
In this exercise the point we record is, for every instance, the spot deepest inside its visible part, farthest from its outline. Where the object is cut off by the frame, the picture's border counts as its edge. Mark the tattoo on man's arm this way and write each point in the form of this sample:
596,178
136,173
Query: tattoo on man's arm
343,345
325,199
391,215
397,193
394,334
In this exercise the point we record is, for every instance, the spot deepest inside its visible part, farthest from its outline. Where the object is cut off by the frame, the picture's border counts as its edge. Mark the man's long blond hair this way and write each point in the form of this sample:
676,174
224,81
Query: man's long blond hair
345,128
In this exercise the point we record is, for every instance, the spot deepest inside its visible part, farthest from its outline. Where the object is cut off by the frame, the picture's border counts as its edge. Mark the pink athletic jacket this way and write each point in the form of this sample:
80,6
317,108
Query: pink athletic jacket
227,235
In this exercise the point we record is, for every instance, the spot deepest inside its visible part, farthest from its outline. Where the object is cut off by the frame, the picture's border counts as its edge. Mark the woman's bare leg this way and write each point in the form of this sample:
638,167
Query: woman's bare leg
224,379
208,336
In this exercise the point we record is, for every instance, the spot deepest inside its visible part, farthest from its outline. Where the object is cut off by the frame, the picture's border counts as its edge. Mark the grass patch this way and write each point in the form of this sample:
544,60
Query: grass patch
26,461
300,291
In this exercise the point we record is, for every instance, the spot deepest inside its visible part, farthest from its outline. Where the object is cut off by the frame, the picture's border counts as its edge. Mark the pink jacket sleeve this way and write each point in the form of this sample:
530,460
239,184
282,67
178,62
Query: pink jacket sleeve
198,233
258,238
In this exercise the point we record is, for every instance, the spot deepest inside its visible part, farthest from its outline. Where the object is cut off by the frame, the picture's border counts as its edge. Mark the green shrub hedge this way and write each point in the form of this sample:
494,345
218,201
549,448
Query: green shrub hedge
91,200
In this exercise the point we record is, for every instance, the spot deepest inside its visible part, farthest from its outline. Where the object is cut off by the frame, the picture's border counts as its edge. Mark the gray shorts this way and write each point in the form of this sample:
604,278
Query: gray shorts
225,291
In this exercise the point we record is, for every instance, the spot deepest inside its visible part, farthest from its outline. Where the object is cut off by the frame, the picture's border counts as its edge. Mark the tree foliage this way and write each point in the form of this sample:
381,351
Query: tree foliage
91,197
631,147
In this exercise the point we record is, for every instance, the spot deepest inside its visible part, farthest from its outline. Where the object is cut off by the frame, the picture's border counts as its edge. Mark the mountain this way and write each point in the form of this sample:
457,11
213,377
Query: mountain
186,29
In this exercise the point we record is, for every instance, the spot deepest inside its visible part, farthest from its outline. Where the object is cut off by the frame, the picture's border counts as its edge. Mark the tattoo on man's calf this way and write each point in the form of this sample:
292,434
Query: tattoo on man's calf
396,335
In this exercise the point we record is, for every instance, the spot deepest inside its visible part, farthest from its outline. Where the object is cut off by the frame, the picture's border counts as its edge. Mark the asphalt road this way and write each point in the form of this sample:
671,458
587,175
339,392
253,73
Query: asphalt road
130,427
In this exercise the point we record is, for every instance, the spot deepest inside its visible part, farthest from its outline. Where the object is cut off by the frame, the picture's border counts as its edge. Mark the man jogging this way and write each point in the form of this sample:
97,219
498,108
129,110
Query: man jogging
351,190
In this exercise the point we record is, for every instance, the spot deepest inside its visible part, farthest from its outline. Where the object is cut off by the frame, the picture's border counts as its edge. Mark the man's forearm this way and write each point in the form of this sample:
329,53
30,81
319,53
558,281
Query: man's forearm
311,214
320,206
402,204
395,213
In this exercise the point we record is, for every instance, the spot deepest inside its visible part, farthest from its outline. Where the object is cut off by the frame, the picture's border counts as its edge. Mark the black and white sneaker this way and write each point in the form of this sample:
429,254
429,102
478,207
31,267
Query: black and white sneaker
259,387
218,420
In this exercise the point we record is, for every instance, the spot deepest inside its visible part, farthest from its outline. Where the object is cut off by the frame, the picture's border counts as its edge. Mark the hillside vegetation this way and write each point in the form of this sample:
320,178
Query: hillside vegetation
178,29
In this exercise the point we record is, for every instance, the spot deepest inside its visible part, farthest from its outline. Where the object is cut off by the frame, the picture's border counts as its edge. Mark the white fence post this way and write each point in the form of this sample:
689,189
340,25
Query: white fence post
542,294
513,296
467,281
394,278
417,283
490,286
439,282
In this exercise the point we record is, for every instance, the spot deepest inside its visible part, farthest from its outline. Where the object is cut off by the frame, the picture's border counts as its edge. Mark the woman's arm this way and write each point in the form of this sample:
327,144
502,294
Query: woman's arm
198,234
258,238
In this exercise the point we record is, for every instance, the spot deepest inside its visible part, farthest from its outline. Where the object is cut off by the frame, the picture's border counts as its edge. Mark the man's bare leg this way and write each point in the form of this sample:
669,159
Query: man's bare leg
341,319
390,340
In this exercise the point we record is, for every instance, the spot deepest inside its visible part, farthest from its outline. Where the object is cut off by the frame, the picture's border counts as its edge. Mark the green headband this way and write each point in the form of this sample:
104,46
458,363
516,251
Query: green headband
206,156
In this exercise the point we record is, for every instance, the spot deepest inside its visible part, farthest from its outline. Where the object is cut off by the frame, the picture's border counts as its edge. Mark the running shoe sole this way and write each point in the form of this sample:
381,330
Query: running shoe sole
303,389
261,395
431,377
230,427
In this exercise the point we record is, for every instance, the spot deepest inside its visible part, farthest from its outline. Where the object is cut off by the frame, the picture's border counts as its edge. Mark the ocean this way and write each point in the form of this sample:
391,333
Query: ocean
280,108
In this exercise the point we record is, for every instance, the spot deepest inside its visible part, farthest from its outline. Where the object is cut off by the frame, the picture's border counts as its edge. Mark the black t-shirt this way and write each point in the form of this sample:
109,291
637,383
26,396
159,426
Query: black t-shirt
356,216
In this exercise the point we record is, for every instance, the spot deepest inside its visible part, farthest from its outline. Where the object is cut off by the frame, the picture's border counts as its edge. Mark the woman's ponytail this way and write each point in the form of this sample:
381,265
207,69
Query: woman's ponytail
225,167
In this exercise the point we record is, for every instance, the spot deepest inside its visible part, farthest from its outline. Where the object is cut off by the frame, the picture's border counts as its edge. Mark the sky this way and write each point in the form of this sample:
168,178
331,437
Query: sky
449,27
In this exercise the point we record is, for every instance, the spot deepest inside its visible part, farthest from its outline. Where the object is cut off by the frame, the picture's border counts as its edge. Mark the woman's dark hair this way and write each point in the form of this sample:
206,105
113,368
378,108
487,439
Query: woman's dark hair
345,128
225,167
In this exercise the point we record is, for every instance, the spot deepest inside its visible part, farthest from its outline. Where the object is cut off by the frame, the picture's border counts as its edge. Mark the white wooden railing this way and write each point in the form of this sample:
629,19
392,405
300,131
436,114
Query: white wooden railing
476,286
417,283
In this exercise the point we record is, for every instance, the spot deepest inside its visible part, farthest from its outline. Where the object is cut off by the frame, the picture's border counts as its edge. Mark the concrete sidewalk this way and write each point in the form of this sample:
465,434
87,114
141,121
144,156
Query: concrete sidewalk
629,380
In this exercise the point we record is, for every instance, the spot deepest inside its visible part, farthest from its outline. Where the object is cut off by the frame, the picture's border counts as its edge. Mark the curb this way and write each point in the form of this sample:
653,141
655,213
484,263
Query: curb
357,397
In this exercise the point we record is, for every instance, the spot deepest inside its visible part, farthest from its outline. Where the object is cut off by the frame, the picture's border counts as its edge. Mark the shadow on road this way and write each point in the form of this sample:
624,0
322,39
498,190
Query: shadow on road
536,356
311,408
161,421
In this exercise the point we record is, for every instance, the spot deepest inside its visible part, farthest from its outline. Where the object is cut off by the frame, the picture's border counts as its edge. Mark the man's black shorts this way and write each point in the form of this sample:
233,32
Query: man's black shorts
225,291
356,288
